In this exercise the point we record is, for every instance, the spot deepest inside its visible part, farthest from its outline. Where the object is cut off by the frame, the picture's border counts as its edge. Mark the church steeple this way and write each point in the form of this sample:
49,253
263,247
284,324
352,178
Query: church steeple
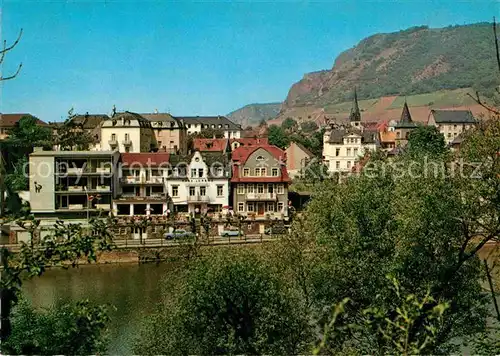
405,115
355,115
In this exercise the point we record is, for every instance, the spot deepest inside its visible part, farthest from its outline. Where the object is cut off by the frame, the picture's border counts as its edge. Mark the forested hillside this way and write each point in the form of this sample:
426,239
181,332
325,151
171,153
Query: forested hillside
413,61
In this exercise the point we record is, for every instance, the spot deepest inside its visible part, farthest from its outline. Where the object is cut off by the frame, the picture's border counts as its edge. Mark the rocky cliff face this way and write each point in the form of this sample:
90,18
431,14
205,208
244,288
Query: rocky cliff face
413,61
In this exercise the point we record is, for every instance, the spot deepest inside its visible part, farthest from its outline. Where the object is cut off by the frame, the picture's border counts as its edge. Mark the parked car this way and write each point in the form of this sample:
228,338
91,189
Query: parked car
232,231
179,234
276,230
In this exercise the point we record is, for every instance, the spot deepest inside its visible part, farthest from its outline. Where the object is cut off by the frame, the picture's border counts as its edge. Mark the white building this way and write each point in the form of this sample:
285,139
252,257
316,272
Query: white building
127,132
196,124
344,144
199,181
451,123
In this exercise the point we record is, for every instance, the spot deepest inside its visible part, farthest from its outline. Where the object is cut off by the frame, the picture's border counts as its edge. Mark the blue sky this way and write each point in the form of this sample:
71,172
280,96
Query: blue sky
203,58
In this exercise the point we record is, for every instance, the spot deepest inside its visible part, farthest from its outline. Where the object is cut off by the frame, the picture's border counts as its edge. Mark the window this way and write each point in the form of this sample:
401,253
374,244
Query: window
246,172
241,189
175,190
270,207
172,124
113,137
337,164
263,172
270,188
280,189
200,172
126,137
192,191
337,152
219,172
241,207
257,172
454,127
220,190
250,188
449,134
250,207
203,191
260,158
189,126
260,188
280,206
355,151
213,126
193,172
348,152
348,164
275,172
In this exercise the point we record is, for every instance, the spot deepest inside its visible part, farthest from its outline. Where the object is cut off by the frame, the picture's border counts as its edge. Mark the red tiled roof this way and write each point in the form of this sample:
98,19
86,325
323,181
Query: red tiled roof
210,144
145,159
9,120
240,156
251,141
242,153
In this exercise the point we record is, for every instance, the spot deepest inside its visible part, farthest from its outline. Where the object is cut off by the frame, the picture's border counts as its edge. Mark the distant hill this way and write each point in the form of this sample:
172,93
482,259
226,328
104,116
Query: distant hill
388,108
410,62
252,114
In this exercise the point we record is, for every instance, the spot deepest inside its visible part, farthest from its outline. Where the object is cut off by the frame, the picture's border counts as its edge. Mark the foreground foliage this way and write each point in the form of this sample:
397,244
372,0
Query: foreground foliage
228,304
74,329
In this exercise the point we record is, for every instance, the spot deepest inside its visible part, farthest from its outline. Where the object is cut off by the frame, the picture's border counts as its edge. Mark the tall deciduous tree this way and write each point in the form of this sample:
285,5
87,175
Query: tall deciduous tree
229,304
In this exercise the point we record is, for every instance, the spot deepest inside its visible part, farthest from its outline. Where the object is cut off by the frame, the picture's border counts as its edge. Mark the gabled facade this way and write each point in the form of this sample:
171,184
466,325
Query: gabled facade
344,144
342,147
297,158
170,132
127,132
260,182
404,126
199,182
197,124
451,123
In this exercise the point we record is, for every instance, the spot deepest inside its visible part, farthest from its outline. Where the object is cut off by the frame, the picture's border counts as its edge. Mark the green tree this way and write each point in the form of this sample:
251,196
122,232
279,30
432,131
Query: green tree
412,226
66,246
70,136
75,329
277,136
426,140
289,124
309,126
229,304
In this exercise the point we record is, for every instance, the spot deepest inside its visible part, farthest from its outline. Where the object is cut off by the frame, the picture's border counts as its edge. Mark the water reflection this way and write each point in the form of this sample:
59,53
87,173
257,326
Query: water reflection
134,290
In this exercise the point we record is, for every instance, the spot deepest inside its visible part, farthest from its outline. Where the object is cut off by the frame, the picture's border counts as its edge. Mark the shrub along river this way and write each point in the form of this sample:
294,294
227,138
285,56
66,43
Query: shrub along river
134,290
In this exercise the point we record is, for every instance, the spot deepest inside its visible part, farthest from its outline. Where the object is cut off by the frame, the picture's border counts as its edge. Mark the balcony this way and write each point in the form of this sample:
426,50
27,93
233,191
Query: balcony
103,170
106,207
102,188
261,196
113,143
75,207
132,196
198,199
142,180
74,171
127,142
75,188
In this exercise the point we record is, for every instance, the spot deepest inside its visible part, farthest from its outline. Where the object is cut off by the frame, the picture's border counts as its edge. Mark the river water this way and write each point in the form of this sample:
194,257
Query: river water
134,290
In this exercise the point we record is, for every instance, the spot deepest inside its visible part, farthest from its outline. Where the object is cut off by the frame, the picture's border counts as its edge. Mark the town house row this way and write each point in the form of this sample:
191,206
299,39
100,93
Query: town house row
251,181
